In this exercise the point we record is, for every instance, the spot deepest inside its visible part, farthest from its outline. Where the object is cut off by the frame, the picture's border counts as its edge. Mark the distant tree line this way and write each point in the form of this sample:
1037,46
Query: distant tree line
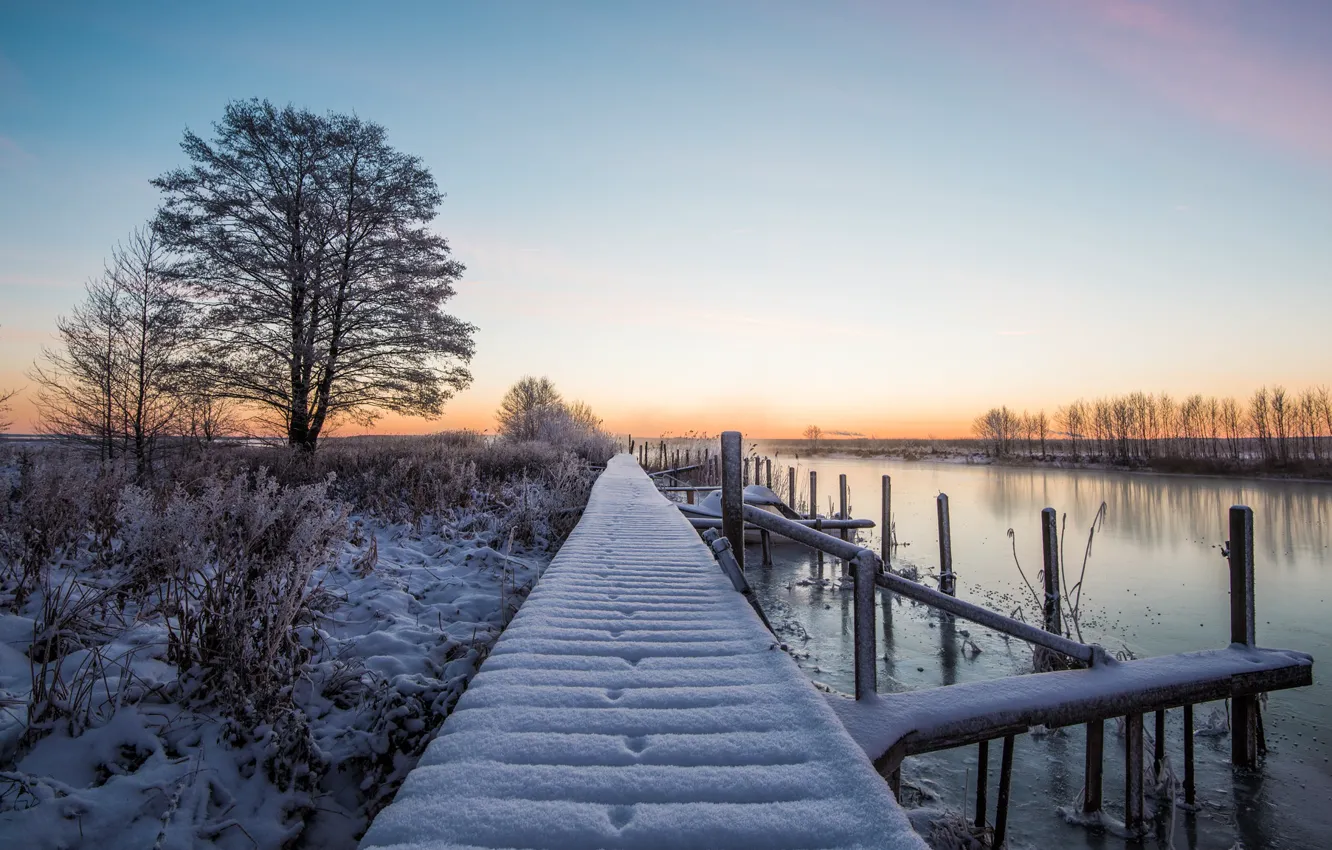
289,279
1273,426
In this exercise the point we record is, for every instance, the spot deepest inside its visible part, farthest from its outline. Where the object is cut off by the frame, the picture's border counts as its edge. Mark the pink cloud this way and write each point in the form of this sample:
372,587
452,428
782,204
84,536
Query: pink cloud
1211,69
12,155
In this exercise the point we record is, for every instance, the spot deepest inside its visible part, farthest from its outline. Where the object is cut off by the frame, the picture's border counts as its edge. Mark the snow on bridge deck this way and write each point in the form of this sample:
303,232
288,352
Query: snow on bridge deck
637,701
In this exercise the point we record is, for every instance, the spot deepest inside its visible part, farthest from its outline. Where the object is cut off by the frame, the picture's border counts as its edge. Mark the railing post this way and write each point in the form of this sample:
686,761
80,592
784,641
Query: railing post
982,779
1005,784
1094,767
1133,791
814,508
885,522
1050,553
1244,720
1189,784
841,501
733,502
1158,749
947,581
866,566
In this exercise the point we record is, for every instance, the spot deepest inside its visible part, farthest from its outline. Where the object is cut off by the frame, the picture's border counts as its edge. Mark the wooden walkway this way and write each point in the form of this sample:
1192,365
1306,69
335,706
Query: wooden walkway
636,701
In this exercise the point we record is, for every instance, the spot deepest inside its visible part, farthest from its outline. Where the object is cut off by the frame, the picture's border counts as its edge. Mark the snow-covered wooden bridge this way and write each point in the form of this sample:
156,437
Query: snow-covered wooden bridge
638,701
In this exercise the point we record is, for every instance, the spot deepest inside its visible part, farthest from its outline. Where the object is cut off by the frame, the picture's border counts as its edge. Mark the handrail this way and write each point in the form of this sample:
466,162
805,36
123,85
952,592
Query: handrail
847,551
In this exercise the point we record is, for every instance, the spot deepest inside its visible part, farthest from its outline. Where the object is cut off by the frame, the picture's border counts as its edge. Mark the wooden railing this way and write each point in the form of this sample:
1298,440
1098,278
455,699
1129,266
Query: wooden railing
1104,688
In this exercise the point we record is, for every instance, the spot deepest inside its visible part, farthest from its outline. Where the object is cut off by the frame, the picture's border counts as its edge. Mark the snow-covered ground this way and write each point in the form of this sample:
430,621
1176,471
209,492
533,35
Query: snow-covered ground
393,645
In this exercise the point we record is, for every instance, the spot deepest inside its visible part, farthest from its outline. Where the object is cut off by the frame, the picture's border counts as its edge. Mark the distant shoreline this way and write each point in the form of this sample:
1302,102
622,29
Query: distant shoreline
1153,466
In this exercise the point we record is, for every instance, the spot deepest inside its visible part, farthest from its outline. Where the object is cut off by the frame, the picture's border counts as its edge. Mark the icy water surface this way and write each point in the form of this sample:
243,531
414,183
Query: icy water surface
1156,583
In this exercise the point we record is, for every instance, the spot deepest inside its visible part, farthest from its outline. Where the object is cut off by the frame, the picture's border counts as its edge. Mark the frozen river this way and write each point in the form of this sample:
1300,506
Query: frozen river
1156,583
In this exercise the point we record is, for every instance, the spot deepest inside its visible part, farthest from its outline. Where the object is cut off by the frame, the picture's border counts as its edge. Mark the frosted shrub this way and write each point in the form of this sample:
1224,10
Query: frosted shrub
231,566
56,504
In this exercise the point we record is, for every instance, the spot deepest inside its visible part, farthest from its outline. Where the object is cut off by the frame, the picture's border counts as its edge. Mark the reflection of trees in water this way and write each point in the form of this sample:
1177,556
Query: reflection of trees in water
1166,511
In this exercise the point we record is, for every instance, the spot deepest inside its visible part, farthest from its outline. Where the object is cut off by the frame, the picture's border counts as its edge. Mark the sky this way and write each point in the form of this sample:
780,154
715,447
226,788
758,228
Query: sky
876,217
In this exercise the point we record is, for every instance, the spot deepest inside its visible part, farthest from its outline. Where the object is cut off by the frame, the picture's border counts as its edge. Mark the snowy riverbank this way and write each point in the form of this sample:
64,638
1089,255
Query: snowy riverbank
140,706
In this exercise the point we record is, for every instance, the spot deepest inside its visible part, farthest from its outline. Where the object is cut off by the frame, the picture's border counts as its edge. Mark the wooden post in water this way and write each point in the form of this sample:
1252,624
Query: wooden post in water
1095,765
886,522
733,504
1244,719
1005,784
790,488
1050,553
866,568
767,475
841,501
947,581
1133,792
814,507
746,462
1190,790
765,537
982,779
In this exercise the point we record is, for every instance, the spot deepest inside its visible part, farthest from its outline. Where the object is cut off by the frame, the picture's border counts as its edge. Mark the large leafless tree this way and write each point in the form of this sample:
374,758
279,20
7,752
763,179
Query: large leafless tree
321,285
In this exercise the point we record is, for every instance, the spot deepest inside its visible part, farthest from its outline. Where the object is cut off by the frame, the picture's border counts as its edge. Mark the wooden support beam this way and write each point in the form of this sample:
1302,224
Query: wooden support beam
886,522
1244,709
765,537
1050,555
1005,784
866,567
947,581
1133,791
733,506
1092,792
841,501
982,779
1158,750
814,507
1190,786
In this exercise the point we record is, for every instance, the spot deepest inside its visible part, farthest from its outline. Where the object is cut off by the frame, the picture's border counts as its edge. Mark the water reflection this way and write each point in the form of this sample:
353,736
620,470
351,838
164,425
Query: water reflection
1158,585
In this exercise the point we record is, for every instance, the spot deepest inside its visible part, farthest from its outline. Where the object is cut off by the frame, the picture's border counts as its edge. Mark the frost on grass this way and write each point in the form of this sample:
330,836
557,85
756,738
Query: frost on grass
252,648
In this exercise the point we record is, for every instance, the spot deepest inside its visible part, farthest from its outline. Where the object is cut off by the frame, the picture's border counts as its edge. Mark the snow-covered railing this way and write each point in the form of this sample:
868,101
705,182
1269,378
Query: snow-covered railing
892,726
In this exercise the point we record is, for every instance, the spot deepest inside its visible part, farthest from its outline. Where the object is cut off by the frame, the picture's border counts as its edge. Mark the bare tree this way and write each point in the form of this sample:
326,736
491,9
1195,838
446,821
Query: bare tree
154,336
1260,421
114,378
1232,419
813,433
320,283
5,397
525,406
1072,421
81,387
1042,423
999,426
1280,410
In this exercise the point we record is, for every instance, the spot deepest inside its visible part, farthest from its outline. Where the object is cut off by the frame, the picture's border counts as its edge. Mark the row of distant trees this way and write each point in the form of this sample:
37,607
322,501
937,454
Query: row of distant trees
1273,425
289,275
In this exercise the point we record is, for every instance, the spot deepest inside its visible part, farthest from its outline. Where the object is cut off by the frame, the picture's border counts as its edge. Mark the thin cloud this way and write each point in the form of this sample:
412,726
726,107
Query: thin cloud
12,155
1016,333
1215,71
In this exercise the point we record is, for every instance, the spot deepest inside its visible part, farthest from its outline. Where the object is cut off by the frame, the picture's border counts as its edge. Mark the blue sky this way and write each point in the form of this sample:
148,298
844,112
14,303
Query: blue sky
881,217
